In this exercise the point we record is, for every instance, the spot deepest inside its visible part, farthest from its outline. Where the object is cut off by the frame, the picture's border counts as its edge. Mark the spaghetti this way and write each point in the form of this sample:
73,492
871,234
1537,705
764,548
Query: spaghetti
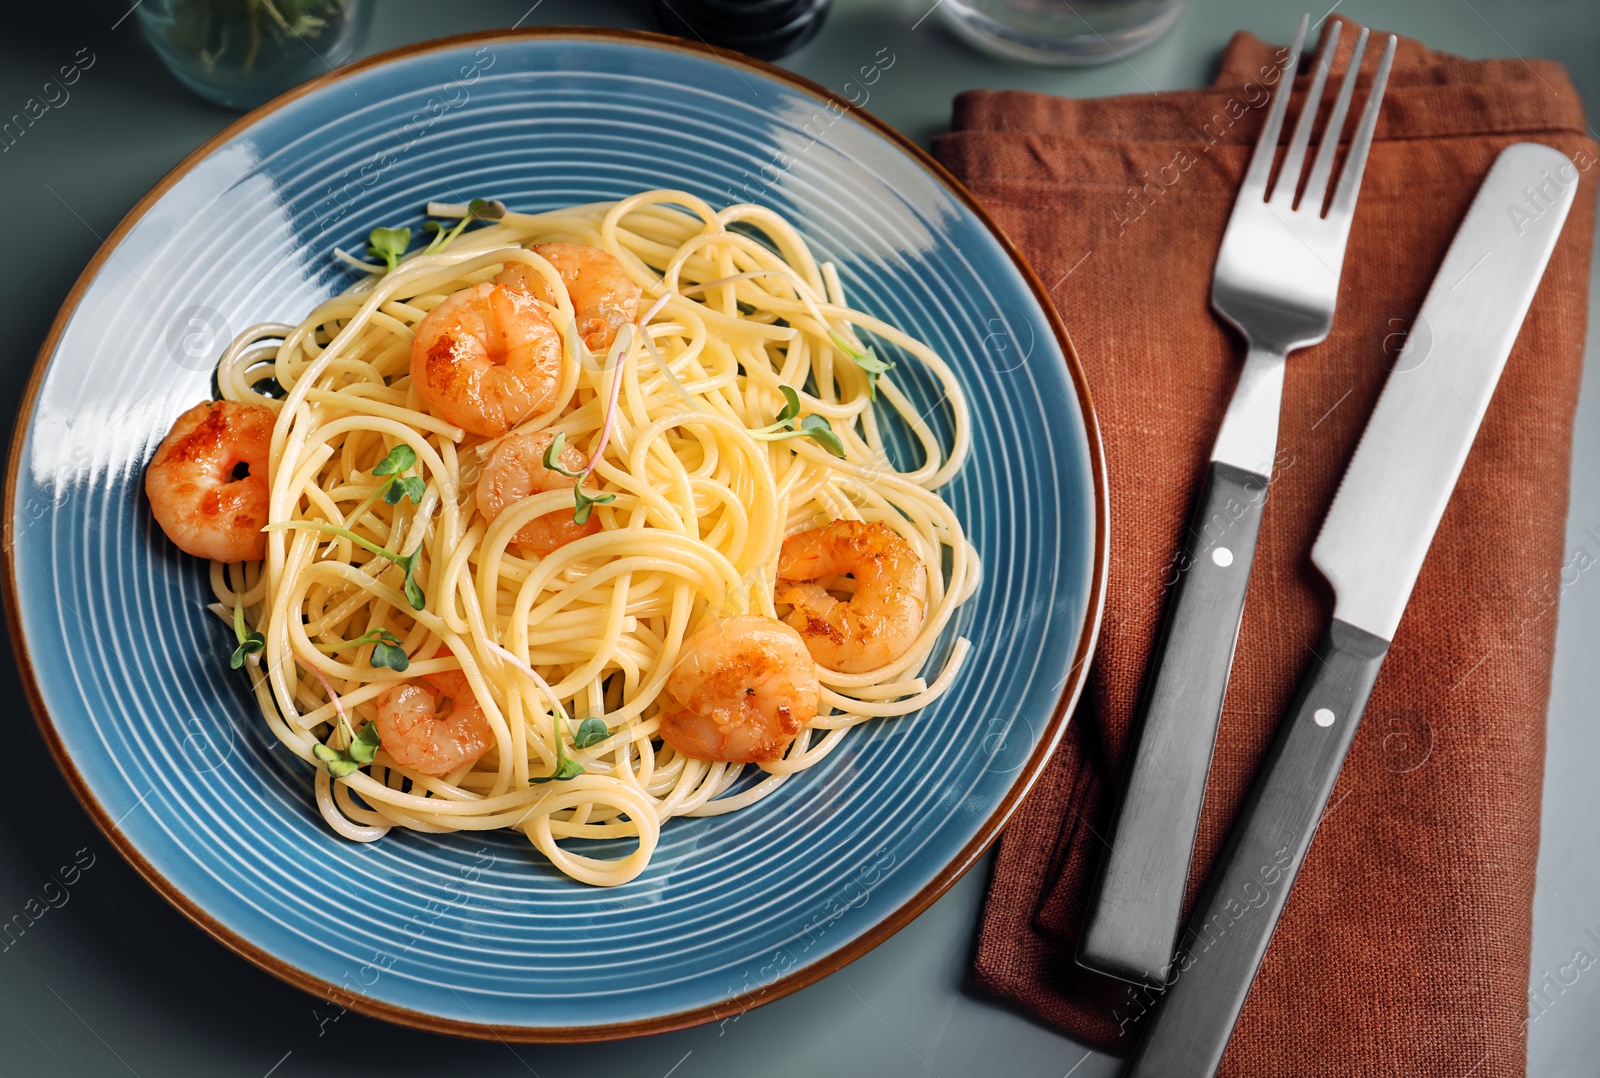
739,407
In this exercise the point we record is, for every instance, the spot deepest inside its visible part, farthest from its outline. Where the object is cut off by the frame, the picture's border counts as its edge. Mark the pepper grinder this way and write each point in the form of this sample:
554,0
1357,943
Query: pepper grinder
766,29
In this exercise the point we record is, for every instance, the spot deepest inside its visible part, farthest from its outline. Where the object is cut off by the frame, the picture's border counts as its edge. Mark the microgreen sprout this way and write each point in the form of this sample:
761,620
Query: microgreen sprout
591,731
408,562
401,458
388,244
583,501
390,652
360,748
566,767
366,744
865,358
411,486
552,457
413,590
341,762
249,642
479,209
789,425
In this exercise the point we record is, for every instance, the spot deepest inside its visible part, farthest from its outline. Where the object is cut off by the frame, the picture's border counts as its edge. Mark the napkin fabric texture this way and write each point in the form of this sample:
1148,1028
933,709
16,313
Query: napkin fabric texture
1405,945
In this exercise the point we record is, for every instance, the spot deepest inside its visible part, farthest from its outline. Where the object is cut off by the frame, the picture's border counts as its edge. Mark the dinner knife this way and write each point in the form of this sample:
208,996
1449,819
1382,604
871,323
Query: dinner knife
1371,548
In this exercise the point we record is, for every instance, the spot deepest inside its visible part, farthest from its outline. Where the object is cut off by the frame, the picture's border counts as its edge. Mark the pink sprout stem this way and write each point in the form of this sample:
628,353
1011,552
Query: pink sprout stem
611,409
616,384
333,698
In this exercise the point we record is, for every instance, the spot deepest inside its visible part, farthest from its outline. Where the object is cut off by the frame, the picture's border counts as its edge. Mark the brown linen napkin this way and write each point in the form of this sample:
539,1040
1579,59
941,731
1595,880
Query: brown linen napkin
1404,948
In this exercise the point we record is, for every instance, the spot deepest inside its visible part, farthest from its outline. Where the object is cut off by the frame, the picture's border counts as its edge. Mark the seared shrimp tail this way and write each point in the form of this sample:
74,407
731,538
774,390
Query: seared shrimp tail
420,732
880,622
604,298
486,359
515,470
741,690
207,483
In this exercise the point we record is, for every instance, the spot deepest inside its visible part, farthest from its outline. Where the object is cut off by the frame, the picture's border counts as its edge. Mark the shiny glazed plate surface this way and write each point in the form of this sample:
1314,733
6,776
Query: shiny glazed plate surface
475,933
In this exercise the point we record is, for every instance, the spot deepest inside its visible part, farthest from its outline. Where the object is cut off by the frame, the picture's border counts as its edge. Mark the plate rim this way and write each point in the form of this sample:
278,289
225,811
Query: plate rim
987,833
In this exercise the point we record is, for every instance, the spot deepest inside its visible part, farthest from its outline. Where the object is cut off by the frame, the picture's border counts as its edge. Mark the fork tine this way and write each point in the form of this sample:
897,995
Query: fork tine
1289,175
1344,199
1255,177
1322,168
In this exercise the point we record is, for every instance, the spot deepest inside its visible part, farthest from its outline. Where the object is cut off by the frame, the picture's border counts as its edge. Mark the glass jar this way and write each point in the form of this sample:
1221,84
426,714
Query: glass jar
240,53
1061,32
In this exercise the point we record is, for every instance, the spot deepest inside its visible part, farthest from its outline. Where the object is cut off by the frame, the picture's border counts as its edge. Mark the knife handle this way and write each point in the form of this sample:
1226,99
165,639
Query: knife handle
1188,1030
1135,909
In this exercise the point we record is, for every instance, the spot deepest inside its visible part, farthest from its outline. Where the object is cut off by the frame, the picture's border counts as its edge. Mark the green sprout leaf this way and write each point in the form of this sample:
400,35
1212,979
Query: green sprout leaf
590,732
815,427
584,503
566,767
252,643
413,590
486,209
390,652
411,487
249,642
479,209
366,744
552,456
388,244
359,748
391,657
791,407
339,764
408,562
865,358
400,458
819,430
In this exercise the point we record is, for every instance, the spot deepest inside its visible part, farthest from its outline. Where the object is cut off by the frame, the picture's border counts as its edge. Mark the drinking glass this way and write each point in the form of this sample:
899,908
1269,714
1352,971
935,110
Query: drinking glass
1061,33
240,53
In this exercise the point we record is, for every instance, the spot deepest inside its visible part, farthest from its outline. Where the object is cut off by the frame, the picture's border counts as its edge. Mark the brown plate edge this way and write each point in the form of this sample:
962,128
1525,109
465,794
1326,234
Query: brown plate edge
792,982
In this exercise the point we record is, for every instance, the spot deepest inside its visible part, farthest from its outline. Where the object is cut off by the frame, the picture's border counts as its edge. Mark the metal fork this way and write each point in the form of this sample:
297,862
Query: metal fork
1277,282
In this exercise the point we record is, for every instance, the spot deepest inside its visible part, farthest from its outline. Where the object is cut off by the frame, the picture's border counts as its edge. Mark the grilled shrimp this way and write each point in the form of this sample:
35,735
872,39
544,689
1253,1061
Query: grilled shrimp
486,359
515,470
880,621
742,689
197,491
417,735
603,296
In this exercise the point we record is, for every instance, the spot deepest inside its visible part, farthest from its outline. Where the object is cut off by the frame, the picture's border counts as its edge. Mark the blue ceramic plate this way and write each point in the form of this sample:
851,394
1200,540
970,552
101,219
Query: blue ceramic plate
477,934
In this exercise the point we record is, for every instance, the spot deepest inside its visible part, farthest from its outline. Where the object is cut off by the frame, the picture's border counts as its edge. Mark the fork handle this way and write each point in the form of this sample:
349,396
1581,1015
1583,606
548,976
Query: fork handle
1134,912
1187,1032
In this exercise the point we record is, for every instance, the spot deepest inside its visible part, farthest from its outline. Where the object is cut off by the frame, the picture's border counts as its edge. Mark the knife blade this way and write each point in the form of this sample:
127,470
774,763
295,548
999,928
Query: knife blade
1371,549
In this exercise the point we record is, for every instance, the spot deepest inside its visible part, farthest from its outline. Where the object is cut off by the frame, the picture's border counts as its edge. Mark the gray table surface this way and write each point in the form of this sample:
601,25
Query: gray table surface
115,981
